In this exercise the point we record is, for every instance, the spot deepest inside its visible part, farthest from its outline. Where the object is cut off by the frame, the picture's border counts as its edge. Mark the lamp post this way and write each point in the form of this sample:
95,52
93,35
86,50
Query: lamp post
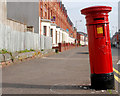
115,28
77,22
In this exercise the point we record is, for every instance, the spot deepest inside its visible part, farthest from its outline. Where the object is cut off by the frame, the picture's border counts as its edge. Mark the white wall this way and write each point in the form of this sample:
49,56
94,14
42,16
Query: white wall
47,24
65,37
82,42
54,35
71,40
15,41
24,12
58,35
3,11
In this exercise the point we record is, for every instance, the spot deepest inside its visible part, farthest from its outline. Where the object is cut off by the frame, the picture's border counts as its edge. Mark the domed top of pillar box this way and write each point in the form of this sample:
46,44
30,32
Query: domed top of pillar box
96,14
96,9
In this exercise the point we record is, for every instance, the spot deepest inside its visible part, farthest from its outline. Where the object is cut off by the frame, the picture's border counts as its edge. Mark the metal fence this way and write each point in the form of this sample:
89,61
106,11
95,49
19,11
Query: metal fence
47,42
16,41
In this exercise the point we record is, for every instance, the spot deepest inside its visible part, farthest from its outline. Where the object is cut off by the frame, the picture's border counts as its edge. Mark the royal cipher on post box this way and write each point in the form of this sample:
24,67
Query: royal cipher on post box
102,76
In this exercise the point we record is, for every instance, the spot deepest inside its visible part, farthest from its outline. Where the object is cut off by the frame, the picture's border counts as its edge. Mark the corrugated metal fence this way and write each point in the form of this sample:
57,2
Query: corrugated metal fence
15,41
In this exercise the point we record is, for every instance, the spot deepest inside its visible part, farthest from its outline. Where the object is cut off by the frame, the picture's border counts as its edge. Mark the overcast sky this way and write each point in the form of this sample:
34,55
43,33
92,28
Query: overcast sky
74,6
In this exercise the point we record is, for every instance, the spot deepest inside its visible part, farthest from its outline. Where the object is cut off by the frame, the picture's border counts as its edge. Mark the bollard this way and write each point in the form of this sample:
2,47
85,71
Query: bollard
60,47
102,76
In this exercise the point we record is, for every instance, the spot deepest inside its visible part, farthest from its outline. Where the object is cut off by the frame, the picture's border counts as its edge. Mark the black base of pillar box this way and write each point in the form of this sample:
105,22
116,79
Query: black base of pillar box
102,81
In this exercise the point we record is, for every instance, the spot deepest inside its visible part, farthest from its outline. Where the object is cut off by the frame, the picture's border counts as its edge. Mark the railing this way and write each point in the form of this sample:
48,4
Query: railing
65,46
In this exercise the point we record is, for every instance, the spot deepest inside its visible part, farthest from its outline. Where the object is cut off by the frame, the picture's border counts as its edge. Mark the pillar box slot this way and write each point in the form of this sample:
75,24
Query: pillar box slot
98,18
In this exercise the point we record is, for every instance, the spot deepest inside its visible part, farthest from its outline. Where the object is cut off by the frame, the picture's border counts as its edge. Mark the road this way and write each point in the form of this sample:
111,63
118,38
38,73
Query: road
116,58
64,73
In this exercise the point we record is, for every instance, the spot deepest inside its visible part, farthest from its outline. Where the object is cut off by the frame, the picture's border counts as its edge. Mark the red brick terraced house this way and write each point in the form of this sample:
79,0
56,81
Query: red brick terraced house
49,19
56,23
82,38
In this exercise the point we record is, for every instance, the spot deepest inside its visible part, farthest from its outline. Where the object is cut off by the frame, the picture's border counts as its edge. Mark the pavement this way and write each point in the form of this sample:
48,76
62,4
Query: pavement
64,73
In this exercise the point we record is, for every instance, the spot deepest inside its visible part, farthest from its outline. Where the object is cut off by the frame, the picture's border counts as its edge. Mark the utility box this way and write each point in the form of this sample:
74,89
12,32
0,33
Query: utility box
102,76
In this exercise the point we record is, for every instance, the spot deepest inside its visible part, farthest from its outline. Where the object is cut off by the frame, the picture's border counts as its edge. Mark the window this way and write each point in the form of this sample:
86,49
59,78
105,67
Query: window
50,14
41,9
45,8
41,13
45,15
41,6
44,30
45,11
56,37
30,28
51,32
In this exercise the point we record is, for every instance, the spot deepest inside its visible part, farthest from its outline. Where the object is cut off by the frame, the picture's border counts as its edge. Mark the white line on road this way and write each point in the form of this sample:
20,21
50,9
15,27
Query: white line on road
118,62
53,91
118,79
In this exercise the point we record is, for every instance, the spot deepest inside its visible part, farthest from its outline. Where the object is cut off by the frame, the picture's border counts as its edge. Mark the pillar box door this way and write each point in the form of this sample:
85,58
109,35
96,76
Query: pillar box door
99,46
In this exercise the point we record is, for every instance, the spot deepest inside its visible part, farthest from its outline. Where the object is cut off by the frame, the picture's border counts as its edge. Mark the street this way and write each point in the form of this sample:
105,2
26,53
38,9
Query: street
44,47
115,53
64,73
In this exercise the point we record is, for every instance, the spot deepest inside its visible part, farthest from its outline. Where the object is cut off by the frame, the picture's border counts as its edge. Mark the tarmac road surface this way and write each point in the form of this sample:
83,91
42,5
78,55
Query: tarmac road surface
63,73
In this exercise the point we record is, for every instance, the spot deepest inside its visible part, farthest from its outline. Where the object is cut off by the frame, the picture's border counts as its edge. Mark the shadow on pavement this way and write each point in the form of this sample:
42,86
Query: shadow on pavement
82,52
59,87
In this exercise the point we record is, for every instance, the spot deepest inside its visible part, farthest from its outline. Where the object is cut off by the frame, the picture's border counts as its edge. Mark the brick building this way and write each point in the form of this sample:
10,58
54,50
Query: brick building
116,39
48,19
82,38
55,22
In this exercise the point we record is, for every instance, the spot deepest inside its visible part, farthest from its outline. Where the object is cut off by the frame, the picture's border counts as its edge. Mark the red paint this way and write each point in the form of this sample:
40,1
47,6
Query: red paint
99,39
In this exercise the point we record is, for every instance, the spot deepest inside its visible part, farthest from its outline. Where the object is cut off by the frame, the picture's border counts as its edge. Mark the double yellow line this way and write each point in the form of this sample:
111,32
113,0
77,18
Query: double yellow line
116,71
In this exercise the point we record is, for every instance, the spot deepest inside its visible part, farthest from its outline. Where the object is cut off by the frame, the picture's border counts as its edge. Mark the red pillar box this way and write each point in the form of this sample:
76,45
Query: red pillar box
102,76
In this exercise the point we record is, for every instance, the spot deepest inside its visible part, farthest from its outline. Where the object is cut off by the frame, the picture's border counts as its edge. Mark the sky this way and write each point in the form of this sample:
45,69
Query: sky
74,6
